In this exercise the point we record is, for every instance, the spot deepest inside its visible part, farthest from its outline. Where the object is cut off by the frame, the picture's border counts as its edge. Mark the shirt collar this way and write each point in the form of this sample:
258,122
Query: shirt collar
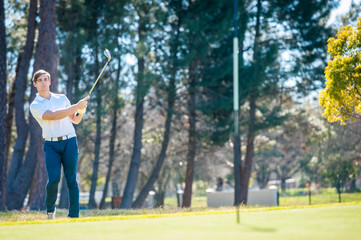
40,98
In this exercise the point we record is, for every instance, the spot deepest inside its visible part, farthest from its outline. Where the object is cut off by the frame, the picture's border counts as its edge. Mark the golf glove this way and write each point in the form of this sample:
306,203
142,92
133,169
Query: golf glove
81,111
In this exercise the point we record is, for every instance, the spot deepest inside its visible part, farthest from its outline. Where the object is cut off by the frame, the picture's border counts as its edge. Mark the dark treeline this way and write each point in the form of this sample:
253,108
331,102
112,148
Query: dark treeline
164,104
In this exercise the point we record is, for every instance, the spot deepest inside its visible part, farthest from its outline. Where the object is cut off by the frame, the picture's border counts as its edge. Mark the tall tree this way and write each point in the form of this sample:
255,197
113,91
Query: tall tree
217,86
98,16
268,45
46,57
212,27
247,166
339,170
115,108
144,14
170,72
21,171
263,70
192,137
92,203
292,144
93,33
11,104
3,103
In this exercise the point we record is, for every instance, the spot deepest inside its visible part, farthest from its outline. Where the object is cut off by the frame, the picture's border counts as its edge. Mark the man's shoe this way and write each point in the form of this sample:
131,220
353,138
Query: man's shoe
51,215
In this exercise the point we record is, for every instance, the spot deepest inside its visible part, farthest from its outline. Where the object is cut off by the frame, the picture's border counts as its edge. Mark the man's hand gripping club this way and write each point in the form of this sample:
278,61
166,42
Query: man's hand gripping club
69,111
82,104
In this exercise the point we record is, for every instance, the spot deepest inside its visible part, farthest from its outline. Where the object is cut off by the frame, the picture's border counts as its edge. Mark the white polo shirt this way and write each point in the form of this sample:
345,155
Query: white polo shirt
52,128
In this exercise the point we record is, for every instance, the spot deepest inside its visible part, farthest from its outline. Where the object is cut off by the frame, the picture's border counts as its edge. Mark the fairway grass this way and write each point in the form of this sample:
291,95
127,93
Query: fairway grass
333,221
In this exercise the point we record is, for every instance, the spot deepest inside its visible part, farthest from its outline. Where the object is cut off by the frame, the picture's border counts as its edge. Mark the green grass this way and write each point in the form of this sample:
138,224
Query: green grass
292,197
332,221
293,219
327,195
319,199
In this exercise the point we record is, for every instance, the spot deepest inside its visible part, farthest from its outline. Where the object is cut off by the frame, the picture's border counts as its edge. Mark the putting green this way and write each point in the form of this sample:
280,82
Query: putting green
332,222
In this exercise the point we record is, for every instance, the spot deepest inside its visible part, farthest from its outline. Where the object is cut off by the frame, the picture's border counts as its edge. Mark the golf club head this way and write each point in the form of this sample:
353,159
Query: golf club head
107,53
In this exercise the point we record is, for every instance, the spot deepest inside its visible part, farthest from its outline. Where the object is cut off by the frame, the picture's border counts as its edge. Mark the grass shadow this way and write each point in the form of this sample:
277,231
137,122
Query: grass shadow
260,229
254,228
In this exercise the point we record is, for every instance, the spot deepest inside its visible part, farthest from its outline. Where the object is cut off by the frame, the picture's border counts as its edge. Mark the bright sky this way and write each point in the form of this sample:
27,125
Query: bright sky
342,9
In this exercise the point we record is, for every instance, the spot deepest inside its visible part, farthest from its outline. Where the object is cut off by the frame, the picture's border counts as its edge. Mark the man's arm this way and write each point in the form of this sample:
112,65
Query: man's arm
64,112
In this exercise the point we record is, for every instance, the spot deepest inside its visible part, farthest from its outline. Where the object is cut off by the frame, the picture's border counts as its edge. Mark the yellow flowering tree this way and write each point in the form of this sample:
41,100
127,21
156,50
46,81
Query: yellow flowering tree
341,97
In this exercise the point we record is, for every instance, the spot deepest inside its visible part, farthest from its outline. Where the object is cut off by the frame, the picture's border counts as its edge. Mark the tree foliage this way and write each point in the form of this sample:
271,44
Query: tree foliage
342,94
339,170
174,64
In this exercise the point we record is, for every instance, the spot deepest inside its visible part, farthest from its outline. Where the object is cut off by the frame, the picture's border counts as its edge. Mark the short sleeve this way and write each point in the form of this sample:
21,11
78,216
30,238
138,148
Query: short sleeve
37,110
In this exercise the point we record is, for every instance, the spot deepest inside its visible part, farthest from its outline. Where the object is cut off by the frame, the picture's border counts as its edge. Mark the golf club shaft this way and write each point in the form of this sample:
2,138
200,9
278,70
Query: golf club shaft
77,114
98,77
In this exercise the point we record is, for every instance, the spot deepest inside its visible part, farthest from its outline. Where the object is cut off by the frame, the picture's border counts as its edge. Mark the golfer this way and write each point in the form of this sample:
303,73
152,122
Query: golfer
55,115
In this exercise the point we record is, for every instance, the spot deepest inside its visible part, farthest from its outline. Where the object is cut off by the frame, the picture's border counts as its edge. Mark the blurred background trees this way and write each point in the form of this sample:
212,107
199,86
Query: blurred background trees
161,118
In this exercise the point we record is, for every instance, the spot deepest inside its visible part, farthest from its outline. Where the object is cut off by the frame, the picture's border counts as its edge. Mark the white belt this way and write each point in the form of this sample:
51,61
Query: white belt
61,138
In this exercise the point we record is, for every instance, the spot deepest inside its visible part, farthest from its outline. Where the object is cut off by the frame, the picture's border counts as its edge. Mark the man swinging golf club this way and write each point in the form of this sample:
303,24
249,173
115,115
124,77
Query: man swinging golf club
55,115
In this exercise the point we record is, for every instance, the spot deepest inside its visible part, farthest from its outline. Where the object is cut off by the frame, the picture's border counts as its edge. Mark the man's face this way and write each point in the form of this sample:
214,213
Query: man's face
43,83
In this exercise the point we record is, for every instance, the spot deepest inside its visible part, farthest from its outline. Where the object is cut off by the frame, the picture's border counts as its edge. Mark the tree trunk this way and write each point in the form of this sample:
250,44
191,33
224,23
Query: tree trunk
112,137
45,58
187,197
111,159
70,54
22,127
339,190
237,142
159,199
283,184
70,82
139,202
136,155
247,168
20,186
139,109
262,177
77,76
162,183
30,194
352,186
11,104
3,100
38,193
92,203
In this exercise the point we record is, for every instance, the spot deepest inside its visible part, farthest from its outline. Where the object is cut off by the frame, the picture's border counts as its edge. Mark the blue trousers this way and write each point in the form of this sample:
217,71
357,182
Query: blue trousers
64,153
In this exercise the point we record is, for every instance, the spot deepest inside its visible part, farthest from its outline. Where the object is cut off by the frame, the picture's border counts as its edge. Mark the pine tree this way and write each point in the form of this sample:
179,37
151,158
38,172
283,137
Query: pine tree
170,68
146,19
45,58
3,100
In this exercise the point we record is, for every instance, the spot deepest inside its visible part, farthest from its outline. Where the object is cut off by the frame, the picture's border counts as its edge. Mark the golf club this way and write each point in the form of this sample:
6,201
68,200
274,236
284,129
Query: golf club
107,54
